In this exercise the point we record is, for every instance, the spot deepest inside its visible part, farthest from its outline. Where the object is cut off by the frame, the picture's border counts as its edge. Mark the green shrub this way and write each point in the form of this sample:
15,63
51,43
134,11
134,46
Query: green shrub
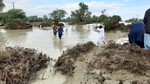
9,24
50,22
107,24
102,18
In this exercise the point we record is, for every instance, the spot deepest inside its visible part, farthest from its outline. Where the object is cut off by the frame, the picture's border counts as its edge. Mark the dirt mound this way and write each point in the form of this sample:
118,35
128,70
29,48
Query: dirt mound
112,44
59,24
118,57
65,63
19,65
83,48
45,24
16,24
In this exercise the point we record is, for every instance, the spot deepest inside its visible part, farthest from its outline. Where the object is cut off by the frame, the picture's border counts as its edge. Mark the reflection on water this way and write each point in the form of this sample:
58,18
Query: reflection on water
43,40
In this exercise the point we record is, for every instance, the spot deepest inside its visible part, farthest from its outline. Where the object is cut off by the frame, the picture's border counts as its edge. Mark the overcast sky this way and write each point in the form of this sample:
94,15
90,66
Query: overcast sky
125,8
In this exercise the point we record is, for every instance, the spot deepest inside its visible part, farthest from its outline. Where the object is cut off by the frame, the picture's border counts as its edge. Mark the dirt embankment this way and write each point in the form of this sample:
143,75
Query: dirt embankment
19,65
110,64
16,24
66,62
44,24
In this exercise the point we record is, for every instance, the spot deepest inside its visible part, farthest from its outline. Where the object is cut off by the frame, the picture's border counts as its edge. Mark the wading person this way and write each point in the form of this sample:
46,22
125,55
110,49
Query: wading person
55,29
136,35
66,26
147,32
60,32
101,35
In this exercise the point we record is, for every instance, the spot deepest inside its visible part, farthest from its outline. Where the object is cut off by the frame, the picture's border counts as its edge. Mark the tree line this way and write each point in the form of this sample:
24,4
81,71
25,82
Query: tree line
79,16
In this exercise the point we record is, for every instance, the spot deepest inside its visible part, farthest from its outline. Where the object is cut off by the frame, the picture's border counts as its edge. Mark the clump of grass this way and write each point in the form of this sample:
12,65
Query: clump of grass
105,53
9,24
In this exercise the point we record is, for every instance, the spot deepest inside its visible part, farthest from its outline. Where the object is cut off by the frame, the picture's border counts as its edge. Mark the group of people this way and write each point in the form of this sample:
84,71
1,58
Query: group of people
59,30
140,34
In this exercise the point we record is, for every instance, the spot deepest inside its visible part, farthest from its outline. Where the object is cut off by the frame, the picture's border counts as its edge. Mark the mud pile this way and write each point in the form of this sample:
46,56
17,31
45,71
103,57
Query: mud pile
117,57
65,63
59,24
16,24
45,24
19,65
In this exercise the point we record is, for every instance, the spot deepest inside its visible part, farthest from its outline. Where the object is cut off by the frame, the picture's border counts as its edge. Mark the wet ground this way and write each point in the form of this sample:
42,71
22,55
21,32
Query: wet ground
44,41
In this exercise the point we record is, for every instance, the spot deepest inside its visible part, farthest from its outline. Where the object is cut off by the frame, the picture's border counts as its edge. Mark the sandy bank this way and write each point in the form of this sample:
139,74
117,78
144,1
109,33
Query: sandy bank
110,64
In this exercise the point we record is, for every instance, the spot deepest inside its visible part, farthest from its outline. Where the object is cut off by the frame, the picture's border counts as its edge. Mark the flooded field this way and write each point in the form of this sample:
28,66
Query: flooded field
44,41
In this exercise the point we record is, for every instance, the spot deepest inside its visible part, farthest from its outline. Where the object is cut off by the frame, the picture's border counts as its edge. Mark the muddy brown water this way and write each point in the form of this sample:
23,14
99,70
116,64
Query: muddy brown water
44,41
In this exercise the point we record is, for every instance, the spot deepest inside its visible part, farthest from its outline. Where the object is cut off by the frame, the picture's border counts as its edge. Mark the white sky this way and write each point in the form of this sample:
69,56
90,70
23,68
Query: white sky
125,8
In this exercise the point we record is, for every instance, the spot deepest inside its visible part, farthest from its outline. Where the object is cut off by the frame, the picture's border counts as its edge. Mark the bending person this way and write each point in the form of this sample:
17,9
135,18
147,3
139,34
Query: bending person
136,35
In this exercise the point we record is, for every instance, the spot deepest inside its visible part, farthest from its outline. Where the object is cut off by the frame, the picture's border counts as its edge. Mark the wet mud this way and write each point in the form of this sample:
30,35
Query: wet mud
65,63
19,65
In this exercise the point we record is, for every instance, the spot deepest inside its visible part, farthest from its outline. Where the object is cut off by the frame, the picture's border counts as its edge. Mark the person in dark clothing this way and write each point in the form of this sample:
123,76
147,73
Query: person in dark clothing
60,32
136,35
147,14
147,31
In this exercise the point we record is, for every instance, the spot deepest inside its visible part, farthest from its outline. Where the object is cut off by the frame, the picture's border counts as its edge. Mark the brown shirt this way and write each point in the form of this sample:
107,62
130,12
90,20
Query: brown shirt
55,28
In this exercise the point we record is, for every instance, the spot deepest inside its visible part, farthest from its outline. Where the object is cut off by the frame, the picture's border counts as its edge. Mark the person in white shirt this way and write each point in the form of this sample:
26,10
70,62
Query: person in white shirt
101,35
66,26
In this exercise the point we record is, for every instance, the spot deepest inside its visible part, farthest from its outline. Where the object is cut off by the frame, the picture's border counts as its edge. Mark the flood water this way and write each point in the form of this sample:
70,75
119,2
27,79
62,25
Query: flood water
44,41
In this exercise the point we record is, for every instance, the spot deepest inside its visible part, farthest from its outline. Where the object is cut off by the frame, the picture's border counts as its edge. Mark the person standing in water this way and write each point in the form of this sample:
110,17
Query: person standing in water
66,26
101,35
55,29
60,32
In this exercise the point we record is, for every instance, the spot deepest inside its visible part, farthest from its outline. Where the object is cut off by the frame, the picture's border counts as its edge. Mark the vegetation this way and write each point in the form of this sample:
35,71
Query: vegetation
82,14
95,18
20,65
8,17
9,24
4,17
45,17
34,19
13,19
50,21
116,18
105,20
17,24
58,14
12,15
111,23
134,20
16,14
